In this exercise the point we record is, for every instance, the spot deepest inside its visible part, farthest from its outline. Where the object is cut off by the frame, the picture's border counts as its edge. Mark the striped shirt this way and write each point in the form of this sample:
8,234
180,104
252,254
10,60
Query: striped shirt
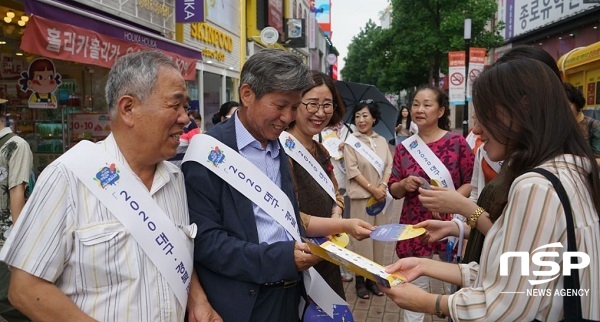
267,160
532,218
68,237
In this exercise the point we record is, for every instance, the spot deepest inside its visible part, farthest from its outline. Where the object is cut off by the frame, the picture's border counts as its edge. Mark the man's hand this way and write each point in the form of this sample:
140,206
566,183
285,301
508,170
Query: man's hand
203,312
303,258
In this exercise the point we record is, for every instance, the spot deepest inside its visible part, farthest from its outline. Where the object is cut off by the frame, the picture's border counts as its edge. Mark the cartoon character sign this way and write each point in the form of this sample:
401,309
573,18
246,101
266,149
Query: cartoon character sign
42,79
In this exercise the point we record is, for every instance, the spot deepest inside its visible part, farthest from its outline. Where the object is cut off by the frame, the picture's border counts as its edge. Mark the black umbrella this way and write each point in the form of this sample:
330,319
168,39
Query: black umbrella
352,93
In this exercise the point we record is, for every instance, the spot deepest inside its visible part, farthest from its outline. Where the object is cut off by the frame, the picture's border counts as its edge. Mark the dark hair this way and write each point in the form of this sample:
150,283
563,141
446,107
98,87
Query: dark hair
534,53
408,118
442,100
574,96
319,79
223,111
194,114
540,125
373,107
275,70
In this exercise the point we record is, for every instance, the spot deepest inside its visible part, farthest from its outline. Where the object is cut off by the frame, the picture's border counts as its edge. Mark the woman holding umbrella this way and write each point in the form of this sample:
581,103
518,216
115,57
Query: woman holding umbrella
434,153
368,162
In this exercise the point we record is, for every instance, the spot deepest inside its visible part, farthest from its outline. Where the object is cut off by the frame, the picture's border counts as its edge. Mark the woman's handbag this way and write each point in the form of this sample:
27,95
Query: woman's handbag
572,304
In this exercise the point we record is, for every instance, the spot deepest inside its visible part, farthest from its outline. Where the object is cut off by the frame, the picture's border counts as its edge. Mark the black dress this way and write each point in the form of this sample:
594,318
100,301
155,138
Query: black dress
315,201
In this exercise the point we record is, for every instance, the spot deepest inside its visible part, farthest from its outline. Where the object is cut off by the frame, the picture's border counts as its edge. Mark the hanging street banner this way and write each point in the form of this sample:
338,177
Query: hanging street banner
53,39
456,77
476,62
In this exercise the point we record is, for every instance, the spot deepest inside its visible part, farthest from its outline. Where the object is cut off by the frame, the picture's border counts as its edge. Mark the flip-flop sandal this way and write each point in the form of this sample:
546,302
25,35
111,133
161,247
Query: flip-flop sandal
374,289
362,292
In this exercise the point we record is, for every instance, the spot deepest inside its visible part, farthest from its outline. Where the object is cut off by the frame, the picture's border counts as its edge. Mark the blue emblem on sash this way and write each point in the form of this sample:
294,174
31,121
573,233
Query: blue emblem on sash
413,144
357,145
107,175
216,156
289,143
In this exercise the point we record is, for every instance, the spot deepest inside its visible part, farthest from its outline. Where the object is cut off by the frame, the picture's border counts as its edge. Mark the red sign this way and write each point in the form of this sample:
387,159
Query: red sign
52,39
591,93
275,15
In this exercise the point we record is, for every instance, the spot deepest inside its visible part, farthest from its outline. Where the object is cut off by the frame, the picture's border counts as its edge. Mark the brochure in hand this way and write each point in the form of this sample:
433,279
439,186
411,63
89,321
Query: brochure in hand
352,261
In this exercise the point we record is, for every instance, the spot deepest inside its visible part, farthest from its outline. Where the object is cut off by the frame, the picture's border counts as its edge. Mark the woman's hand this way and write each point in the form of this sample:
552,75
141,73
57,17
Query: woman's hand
357,228
379,192
436,230
412,183
409,267
407,296
443,200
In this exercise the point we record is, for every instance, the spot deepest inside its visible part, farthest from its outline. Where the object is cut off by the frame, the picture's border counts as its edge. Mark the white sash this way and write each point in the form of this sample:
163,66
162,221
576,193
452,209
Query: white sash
428,161
495,165
367,153
122,192
298,152
250,181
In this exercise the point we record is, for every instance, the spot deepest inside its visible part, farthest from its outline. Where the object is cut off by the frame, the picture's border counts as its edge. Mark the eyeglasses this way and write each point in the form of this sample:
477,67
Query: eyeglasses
313,107
368,101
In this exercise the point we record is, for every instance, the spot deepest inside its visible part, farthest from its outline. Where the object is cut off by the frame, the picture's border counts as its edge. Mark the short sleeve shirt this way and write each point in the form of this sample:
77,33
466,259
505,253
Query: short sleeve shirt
16,163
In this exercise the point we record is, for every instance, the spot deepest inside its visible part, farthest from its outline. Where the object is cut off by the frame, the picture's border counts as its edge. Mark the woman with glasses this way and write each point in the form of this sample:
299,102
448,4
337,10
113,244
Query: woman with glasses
321,214
434,153
368,163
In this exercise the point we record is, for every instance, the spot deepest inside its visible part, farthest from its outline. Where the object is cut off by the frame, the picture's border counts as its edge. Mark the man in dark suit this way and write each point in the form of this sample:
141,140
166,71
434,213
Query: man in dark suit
248,264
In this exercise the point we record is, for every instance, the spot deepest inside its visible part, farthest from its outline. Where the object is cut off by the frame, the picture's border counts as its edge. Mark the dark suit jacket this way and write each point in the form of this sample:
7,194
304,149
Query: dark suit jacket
230,262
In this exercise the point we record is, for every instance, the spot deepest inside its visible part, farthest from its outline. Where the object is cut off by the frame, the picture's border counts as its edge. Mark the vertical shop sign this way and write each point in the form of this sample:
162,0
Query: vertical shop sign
456,77
189,11
42,80
275,15
476,62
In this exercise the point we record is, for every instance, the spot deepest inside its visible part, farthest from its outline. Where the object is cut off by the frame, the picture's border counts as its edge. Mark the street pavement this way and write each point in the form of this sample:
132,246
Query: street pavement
381,308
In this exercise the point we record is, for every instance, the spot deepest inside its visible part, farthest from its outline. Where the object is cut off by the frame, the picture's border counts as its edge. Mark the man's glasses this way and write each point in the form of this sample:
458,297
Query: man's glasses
313,107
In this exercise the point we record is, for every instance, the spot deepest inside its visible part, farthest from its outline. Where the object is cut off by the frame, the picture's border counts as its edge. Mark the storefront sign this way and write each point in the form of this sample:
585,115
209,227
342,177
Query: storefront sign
87,126
523,16
154,14
112,30
189,11
49,38
212,36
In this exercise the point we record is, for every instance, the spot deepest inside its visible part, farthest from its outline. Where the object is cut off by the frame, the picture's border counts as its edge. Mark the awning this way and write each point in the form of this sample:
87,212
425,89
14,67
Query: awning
81,42
579,56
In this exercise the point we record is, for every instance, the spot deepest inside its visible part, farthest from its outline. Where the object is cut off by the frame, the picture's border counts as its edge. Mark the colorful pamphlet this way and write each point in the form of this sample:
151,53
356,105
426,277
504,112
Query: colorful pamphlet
354,262
375,207
396,232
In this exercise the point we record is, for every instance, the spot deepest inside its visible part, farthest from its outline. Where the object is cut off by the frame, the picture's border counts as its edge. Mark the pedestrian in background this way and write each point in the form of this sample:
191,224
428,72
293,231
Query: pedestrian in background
589,127
225,111
368,163
16,166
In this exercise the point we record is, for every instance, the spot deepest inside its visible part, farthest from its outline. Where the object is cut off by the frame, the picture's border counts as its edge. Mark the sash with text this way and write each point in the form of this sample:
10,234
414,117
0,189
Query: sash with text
295,150
366,153
123,193
250,181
